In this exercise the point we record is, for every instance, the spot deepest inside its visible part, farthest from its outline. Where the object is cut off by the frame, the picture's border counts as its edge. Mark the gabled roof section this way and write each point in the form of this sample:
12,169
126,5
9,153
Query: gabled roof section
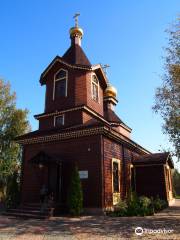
61,60
100,73
155,158
96,68
76,56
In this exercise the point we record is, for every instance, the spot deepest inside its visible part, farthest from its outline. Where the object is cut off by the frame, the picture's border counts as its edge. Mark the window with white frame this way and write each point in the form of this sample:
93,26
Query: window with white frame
116,175
95,88
59,121
60,84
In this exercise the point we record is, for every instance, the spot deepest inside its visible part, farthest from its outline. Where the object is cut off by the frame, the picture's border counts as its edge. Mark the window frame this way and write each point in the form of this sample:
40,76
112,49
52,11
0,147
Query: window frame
119,174
97,85
61,115
59,79
116,196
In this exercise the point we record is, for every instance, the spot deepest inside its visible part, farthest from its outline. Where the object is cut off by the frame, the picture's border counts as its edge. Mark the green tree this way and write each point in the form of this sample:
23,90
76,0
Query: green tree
167,97
176,182
75,198
13,122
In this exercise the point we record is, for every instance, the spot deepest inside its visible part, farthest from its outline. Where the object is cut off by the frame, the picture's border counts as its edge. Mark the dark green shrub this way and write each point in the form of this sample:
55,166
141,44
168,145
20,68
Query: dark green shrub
121,208
13,191
75,198
138,206
133,204
146,207
159,204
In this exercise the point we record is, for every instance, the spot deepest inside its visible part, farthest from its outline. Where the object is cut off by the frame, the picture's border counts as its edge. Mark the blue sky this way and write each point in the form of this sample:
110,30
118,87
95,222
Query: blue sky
127,35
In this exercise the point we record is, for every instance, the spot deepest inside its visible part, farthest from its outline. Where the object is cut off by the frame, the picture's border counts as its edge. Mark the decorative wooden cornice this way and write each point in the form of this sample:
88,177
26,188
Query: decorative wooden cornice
92,112
44,115
121,138
106,131
62,136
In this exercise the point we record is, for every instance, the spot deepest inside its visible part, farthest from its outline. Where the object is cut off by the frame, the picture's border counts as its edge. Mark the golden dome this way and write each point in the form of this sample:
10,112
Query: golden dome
110,91
76,31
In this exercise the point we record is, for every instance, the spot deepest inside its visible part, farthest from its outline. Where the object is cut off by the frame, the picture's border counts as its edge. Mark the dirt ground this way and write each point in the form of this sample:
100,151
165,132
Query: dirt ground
164,225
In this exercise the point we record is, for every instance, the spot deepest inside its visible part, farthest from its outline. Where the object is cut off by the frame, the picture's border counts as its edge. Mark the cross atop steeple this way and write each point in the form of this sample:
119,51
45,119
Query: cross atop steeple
76,32
105,66
76,19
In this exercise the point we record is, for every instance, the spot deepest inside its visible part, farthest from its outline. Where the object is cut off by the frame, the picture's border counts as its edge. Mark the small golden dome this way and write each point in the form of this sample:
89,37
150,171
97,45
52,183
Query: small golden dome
76,31
110,91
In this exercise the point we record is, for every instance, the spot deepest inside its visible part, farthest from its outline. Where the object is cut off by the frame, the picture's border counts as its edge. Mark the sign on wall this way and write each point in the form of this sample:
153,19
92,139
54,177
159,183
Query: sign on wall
83,174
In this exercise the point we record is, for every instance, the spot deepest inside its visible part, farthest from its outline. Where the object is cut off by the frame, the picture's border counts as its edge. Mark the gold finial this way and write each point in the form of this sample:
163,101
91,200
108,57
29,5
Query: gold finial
110,91
76,19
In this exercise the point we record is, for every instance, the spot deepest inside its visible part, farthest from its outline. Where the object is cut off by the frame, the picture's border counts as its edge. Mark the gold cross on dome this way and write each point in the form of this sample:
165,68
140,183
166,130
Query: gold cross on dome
76,18
105,66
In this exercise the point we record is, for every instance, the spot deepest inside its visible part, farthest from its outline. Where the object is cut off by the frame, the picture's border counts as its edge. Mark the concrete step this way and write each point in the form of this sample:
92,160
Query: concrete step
25,215
44,212
30,210
32,204
34,208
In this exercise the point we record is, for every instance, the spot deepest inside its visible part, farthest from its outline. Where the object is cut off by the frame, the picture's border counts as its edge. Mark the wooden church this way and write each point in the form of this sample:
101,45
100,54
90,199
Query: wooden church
79,127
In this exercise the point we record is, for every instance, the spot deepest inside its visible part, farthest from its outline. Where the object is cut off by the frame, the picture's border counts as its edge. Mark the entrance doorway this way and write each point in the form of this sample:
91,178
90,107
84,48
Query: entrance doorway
55,181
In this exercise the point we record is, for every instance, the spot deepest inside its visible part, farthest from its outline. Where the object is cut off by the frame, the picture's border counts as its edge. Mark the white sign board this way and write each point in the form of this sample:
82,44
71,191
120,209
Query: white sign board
83,174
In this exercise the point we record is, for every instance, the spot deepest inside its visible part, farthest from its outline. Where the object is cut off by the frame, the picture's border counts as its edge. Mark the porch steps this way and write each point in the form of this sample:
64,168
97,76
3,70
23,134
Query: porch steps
31,210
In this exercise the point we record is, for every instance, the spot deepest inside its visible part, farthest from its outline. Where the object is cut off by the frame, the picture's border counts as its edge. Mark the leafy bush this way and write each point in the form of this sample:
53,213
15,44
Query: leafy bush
133,204
13,191
121,209
75,198
144,201
159,204
146,206
138,206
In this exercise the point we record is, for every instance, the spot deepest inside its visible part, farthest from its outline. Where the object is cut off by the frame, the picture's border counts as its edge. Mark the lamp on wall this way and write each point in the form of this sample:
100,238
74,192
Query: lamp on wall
167,166
40,166
131,166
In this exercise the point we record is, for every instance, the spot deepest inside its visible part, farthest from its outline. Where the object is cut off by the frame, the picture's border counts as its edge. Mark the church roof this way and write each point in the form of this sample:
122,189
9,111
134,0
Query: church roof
76,56
111,116
154,158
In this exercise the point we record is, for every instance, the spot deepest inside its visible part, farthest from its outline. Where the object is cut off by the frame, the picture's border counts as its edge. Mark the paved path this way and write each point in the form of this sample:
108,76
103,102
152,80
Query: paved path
93,227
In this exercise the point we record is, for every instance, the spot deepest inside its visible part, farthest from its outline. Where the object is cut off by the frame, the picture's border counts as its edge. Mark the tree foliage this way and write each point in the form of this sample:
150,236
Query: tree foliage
75,198
176,182
167,97
13,122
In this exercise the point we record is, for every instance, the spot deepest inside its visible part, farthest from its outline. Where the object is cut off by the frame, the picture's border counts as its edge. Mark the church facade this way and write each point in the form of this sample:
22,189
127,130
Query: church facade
79,127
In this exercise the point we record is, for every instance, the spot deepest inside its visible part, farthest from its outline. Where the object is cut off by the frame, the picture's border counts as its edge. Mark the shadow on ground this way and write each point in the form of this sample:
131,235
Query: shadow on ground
93,226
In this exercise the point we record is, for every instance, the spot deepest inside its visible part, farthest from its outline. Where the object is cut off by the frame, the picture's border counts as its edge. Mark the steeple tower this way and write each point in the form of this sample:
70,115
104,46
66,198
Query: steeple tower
75,54
76,32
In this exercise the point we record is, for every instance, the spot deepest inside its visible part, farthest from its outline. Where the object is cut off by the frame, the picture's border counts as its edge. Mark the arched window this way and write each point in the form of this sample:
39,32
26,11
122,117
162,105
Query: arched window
95,88
60,84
